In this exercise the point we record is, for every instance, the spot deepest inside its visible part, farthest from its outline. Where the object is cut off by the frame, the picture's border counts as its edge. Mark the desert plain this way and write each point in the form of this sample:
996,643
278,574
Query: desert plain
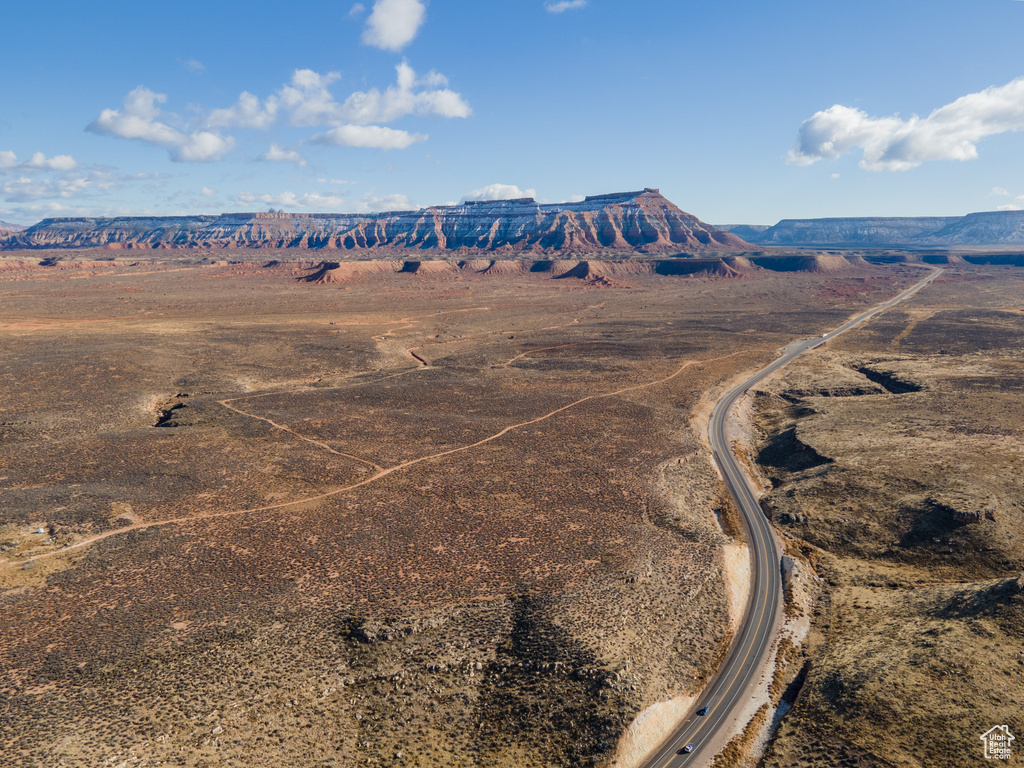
464,514
893,463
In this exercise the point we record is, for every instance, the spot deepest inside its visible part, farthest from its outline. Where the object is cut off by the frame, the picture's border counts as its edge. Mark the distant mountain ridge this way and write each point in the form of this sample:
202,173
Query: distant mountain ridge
748,232
992,228
6,227
642,222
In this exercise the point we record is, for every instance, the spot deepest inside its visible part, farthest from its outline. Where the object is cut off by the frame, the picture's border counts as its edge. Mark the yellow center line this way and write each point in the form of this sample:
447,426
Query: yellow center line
732,475
760,621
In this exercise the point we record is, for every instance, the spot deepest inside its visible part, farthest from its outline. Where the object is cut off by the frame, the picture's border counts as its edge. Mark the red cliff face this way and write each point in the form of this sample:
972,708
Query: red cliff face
631,222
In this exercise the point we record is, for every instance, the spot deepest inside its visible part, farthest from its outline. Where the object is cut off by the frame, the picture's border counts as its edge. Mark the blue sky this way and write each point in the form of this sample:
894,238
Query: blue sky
740,112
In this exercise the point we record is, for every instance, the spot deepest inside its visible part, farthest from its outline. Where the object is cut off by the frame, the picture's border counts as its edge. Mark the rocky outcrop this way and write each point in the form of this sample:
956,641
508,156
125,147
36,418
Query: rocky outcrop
597,272
974,517
866,231
631,222
976,229
995,227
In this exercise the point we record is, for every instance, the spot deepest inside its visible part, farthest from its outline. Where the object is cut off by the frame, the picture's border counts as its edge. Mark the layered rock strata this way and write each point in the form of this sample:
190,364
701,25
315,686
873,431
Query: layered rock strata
640,222
992,228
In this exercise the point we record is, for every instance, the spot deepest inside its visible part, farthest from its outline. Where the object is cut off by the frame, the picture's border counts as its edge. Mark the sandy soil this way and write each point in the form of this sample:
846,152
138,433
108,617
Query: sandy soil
736,568
648,730
513,586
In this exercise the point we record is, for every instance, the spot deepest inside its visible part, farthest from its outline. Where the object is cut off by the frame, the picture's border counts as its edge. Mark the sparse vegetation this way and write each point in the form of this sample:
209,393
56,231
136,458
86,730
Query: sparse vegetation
903,489
476,555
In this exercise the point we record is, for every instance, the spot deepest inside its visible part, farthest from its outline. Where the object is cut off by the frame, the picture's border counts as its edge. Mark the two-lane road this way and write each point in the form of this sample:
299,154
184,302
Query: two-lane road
734,684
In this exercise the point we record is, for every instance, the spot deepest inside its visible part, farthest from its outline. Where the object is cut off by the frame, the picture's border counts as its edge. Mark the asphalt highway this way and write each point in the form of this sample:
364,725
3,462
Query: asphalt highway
736,681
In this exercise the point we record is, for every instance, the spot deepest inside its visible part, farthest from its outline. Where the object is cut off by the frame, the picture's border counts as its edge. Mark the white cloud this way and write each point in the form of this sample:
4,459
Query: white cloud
203,147
998,192
315,201
356,10
27,188
499,192
278,155
385,203
247,113
306,202
58,177
394,23
207,192
33,212
139,121
55,163
403,99
194,66
891,143
1016,205
565,5
36,211
38,162
371,136
311,103
309,99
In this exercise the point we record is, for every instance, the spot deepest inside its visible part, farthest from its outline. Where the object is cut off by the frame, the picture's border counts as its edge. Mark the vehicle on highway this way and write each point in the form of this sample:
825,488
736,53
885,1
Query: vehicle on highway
755,637
702,711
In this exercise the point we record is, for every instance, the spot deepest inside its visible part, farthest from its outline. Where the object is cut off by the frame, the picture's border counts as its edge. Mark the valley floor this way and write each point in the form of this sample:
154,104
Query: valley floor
409,519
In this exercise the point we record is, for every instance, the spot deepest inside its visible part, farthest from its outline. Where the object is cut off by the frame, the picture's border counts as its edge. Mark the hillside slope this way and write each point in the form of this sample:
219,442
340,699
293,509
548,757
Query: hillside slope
992,228
873,230
630,222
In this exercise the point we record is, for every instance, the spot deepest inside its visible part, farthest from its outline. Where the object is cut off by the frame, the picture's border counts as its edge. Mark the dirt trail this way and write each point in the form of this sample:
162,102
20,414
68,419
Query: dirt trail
914,318
421,362
42,325
539,349
420,365
291,431
477,336
574,321
373,478
412,322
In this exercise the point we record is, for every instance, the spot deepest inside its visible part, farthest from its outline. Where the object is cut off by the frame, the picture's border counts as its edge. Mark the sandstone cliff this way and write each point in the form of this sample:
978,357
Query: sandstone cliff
630,222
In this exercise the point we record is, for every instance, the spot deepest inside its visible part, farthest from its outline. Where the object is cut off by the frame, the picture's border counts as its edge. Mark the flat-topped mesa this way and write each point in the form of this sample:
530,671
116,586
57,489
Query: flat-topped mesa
640,222
988,228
